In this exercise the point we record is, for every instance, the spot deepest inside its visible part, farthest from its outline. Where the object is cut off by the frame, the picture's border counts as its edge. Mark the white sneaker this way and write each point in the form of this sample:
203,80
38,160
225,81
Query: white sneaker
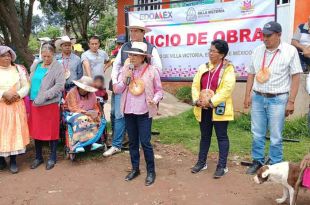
79,149
111,151
95,146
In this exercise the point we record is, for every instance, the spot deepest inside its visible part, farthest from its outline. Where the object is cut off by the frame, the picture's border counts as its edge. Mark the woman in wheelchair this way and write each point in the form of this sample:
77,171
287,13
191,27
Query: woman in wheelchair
84,114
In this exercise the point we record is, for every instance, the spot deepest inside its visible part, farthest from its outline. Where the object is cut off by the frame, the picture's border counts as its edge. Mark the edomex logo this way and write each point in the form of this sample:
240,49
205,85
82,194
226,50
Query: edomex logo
247,6
160,15
191,14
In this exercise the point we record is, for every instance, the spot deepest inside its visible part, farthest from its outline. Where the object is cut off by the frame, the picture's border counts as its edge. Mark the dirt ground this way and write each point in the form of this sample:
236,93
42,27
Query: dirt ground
101,181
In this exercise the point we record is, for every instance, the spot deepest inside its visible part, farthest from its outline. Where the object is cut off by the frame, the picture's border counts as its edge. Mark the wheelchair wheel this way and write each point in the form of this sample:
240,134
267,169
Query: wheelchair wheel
72,156
105,147
66,152
68,155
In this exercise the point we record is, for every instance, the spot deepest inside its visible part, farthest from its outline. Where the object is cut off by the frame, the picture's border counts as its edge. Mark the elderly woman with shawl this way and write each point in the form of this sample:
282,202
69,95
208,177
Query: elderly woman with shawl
14,134
81,101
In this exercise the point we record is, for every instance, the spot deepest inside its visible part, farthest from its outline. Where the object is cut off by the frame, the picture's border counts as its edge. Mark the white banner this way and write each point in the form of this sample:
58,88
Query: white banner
184,35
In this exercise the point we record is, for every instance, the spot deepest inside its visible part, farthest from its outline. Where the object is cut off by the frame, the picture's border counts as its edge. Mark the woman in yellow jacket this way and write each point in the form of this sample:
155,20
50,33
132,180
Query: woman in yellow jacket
211,92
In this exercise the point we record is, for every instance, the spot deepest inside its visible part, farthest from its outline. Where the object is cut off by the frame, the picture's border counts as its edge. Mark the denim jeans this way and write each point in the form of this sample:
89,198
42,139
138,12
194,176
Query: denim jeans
117,121
206,126
139,130
268,114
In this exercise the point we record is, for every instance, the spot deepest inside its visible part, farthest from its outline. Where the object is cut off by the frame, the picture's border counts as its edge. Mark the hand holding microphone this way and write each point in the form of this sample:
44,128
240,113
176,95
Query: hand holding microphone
129,74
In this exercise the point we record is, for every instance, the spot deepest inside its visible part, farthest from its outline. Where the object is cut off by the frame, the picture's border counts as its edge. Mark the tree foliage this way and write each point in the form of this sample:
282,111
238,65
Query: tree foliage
15,26
79,17
77,14
105,28
50,31
33,44
37,23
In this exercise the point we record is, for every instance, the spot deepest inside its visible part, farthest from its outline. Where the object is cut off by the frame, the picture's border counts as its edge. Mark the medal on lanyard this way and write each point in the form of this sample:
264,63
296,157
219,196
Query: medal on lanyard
208,93
66,67
136,86
263,74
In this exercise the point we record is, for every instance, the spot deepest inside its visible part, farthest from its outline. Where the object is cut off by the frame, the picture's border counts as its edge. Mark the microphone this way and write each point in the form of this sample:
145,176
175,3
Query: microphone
131,67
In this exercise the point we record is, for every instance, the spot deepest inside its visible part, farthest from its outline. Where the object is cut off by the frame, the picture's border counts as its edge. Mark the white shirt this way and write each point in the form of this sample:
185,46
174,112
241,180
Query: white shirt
96,61
117,65
303,37
285,63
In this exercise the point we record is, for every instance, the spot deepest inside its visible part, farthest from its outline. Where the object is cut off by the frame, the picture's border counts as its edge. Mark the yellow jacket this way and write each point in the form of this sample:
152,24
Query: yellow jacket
227,80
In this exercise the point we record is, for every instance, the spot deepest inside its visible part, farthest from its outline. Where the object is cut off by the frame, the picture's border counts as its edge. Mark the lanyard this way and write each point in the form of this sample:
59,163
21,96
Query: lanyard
264,59
143,71
66,66
213,74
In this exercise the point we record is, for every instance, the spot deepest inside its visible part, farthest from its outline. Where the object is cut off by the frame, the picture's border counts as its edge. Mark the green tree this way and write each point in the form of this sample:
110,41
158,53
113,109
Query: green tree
37,23
105,28
15,26
50,31
33,44
78,14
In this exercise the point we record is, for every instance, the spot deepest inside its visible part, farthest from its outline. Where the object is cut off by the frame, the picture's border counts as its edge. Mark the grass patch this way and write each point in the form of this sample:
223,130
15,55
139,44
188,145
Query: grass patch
184,94
296,129
184,129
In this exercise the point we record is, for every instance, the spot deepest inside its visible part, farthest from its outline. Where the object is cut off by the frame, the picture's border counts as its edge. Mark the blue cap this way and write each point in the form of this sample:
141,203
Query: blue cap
272,27
121,38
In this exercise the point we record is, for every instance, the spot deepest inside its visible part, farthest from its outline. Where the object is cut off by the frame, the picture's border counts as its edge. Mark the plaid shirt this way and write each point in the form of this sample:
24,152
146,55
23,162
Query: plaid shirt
285,64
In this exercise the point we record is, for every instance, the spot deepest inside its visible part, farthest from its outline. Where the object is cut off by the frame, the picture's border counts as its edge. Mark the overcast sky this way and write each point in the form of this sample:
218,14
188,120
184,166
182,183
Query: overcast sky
36,10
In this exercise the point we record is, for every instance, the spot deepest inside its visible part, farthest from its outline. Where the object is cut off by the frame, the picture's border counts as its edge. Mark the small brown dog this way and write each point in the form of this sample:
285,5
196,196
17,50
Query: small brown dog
284,173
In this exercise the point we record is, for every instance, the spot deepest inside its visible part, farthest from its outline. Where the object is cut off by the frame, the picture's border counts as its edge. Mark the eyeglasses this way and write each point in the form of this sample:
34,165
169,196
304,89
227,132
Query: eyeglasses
213,51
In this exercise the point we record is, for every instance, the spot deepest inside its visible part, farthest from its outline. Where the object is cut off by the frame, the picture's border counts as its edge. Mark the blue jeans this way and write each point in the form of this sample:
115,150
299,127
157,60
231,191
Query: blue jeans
117,121
139,130
268,113
206,127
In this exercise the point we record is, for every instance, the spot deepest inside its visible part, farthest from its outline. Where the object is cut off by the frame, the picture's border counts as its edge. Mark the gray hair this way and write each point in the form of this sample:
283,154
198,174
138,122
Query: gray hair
48,47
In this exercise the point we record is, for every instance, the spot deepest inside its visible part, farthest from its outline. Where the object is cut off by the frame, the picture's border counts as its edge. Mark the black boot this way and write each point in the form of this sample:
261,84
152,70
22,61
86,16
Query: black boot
39,158
36,163
133,174
2,163
13,165
150,178
254,167
52,159
38,146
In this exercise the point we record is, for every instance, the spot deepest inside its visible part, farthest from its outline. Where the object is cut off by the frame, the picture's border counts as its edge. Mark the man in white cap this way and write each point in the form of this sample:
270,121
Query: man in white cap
271,89
94,59
137,30
70,62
